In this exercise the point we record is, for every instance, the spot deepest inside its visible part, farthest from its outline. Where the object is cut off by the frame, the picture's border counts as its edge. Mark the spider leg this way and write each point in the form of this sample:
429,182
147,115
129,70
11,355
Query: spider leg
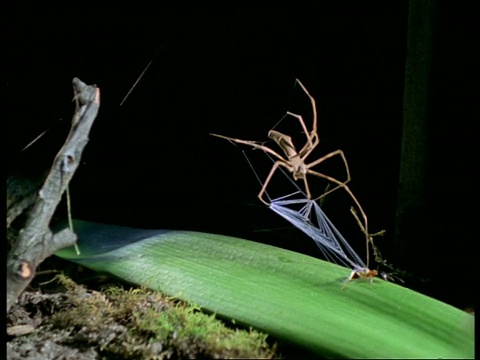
340,184
267,180
310,145
347,189
255,144
307,188
314,107
305,151
326,157
312,136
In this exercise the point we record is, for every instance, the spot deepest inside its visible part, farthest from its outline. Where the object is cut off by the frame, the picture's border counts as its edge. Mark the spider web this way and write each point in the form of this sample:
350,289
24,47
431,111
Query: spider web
307,216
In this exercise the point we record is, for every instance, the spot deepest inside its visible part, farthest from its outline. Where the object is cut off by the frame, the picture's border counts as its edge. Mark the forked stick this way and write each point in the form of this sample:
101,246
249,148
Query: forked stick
36,241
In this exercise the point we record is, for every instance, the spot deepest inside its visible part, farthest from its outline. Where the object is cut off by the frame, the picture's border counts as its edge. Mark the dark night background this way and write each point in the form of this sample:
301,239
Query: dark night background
151,162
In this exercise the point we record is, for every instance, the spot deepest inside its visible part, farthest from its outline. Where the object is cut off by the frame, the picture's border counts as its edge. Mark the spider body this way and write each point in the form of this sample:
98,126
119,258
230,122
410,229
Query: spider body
295,163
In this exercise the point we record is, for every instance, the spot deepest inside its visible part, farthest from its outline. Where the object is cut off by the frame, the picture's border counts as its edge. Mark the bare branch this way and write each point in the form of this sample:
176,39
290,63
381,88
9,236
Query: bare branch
36,242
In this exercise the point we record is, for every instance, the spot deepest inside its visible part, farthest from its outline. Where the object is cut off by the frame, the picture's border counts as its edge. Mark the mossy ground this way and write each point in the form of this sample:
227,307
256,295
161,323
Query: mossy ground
117,322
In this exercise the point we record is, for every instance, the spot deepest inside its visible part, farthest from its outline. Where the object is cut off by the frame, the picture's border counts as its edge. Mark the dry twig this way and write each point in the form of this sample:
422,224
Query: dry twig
36,241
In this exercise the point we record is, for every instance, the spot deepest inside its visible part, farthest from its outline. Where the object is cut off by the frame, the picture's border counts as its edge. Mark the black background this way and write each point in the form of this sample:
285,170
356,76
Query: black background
151,162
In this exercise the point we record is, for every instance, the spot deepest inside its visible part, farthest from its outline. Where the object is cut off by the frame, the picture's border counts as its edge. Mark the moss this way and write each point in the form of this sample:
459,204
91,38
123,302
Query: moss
140,323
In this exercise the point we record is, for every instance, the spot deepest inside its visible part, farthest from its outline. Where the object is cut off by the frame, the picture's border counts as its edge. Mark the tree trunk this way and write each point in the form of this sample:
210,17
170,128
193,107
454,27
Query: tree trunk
412,205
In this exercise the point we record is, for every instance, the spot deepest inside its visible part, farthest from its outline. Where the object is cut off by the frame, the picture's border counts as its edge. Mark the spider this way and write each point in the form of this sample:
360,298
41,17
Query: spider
294,161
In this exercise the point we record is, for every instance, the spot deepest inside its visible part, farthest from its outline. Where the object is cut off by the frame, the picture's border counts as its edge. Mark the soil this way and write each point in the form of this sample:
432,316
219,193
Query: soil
32,333
60,319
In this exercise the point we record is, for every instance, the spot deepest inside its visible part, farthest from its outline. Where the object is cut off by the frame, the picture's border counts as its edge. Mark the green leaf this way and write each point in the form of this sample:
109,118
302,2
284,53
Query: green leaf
291,296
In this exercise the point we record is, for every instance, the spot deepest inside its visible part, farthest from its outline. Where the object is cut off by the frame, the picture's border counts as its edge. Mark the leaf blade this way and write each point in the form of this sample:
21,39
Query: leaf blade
289,295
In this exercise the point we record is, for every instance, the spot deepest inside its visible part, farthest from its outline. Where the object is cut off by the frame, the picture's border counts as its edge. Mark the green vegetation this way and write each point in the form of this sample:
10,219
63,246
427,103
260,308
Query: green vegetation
293,297
143,324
